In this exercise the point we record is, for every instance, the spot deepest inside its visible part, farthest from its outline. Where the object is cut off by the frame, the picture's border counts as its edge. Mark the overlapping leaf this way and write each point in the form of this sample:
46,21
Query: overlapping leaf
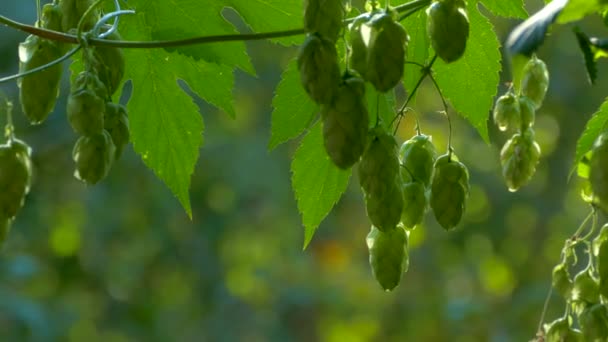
595,126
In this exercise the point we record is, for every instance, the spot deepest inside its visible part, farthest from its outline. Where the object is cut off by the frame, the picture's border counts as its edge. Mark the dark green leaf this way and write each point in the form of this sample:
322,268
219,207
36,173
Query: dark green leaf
585,46
595,126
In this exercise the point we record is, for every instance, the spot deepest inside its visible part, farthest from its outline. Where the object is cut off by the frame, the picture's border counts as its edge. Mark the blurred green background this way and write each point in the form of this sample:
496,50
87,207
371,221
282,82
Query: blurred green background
121,261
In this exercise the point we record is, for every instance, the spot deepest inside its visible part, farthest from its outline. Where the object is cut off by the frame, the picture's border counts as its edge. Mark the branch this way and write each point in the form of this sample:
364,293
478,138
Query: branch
72,39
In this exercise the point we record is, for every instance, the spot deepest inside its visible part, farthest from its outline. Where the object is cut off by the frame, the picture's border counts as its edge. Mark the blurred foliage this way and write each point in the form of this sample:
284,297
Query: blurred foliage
121,261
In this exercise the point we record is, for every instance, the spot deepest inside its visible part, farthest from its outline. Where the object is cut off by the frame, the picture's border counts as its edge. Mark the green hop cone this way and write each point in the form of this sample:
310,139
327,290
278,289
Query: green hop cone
116,122
449,191
519,157
109,64
507,114
51,17
561,280
323,17
528,112
388,255
448,29
38,92
535,81
319,69
585,288
600,252
345,123
560,330
358,48
73,10
386,51
93,156
85,108
598,171
417,156
594,323
414,204
384,210
15,176
380,179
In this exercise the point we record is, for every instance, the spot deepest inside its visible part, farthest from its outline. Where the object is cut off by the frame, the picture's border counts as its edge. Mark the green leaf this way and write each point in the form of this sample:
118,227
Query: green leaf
293,110
191,18
318,184
166,126
578,9
595,126
418,50
585,46
475,73
509,9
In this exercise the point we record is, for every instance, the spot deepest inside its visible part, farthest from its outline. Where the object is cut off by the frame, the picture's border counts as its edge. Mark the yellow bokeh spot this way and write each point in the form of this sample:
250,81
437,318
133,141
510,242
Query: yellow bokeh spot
496,276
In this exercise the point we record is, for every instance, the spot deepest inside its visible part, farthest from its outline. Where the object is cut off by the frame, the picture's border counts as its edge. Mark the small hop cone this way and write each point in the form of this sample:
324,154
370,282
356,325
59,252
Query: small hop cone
116,122
323,17
519,157
388,255
594,323
448,29
561,281
385,210
507,113
319,69
561,330
449,191
417,156
93,156
109,64
345,123
414,204
535,81
386,52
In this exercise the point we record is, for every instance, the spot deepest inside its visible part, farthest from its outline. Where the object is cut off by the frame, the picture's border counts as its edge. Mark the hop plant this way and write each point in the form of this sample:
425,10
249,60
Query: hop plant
116,123
319,70
109,64
93,156
15,176
561,281
598,170
380,179
414,204
528,112
388,255
323,17
535,81
448,28
507,113
417,156
86,108
38,92
386,51
560,330
449,190
345,123
594,323
357,58
73,10
519,157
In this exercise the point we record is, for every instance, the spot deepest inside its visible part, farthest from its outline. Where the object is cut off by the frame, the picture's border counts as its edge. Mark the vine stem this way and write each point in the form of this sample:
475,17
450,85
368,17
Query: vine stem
426,70
564,253
73,39
447,114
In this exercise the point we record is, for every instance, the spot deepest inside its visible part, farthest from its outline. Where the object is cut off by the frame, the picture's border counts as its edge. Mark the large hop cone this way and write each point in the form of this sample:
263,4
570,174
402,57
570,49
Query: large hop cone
345,123
93,156
380,179
388,255
418,156
448,29
449,191
414,204
323,17
15,176
386,52
519,158
319,69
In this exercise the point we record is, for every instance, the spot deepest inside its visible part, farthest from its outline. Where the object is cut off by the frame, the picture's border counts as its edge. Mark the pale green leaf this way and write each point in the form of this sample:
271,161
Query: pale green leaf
318,184
293,110
595,126
470,83
506,8
418,50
